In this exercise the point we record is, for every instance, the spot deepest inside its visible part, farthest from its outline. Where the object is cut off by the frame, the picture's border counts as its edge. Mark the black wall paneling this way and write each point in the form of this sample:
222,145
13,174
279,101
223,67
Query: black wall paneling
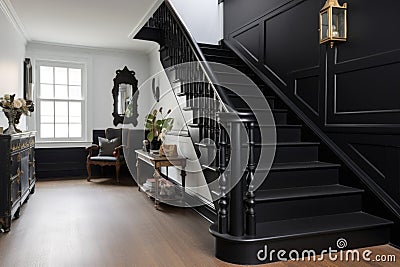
364,92
349,94
53,163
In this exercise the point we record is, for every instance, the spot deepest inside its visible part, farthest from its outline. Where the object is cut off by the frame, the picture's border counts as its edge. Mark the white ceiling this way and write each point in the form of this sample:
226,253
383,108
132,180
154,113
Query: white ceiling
93,23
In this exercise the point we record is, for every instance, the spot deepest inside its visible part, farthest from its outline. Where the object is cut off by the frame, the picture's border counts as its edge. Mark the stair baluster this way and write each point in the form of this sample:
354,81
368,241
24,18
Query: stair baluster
250,195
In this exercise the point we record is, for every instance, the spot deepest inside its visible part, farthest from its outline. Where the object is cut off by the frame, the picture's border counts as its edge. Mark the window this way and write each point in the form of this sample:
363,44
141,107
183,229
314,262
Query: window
61,102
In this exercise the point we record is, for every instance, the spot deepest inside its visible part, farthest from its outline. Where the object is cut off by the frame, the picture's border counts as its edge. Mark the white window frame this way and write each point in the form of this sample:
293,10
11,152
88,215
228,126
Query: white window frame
83,100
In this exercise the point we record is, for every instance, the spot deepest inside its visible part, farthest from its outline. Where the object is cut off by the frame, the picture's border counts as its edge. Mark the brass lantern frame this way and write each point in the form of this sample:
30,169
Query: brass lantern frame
328,8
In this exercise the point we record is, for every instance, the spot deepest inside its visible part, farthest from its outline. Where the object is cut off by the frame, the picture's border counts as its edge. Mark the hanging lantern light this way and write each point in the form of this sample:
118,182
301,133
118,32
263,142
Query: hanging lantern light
333,22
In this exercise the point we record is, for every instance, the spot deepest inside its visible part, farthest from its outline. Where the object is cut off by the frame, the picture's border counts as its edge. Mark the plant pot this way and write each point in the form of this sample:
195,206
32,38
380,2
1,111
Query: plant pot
155,144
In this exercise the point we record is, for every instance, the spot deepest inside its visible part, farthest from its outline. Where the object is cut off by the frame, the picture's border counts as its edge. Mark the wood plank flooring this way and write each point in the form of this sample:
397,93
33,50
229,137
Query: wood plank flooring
76,223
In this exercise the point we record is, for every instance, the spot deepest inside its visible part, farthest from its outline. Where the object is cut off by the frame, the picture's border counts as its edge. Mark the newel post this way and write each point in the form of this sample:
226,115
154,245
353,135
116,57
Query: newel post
223,200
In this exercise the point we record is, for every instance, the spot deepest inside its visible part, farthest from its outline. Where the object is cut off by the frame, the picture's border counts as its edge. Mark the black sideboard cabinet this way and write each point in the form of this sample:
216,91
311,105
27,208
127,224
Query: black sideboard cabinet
17,174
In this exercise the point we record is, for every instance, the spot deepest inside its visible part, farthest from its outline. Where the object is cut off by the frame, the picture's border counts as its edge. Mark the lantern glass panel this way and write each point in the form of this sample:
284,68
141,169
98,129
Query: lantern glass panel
338,23
324,25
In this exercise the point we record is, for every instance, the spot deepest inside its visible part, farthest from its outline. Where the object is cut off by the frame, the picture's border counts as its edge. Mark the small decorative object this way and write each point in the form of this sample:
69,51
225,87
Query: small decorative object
13,109
333,22
167,188
157,128
146,145
168,150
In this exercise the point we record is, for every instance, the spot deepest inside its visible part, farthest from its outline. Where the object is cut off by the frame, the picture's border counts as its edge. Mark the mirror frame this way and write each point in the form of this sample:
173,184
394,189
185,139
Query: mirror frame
125,76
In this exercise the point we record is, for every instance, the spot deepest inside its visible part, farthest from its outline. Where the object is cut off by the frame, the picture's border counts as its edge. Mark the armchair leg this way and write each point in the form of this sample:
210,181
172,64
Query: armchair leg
89,171
117,168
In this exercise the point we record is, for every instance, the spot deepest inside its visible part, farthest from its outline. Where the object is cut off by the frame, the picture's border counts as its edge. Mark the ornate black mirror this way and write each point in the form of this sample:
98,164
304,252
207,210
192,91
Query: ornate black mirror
125,94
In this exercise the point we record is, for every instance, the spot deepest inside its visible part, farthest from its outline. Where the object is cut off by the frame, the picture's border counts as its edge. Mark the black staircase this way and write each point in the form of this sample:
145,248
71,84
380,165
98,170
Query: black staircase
300,205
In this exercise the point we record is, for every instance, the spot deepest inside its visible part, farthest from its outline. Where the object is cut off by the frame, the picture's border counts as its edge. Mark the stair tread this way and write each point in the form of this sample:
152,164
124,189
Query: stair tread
229,73
302,165
288,144
250,96
244,84
281,126
287,166
219,56
319,224
263,109
304,192
212,46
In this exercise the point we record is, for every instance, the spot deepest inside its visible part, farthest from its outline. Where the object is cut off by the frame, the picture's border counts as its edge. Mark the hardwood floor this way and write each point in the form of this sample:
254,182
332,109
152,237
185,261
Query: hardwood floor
77,223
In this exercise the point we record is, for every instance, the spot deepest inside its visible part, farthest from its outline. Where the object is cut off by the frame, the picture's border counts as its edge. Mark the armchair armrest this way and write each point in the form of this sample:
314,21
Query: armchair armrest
91,148
118,151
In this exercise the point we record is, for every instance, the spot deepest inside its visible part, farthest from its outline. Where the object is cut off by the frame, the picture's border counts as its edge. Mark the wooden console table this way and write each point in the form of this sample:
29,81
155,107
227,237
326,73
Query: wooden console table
157,162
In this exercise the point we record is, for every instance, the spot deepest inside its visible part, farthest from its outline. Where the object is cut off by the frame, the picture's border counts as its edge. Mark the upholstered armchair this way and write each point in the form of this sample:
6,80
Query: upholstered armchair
109,152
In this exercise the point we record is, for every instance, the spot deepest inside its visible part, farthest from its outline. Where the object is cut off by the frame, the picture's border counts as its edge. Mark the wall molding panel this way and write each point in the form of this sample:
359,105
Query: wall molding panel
349,95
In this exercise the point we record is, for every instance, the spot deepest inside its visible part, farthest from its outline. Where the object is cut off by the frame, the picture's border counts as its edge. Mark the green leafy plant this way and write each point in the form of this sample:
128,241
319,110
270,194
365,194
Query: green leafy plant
158,127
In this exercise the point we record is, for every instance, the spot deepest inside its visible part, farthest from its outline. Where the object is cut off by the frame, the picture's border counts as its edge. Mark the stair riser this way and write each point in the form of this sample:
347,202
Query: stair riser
222,59
283,154
280,117
283,134
300,178
246,252
307,207
217,52
229,78
287,154
253,102
234,68
242,89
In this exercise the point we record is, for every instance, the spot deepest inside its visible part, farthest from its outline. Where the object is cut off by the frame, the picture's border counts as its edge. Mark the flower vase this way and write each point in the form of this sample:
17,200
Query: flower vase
10,114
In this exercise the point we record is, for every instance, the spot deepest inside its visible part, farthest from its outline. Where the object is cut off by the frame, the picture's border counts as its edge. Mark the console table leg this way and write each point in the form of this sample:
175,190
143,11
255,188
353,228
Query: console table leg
183,175
157,176
138,173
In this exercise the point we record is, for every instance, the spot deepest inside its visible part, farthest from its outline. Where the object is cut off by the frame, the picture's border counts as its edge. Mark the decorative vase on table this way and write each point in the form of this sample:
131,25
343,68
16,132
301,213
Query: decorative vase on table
13,109
11,116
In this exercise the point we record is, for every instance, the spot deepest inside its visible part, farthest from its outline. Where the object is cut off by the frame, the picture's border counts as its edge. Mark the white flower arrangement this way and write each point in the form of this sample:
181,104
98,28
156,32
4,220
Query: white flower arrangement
10,103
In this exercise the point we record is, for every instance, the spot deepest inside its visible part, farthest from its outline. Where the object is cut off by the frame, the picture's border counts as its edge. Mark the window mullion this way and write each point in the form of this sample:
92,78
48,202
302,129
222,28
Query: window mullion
68,117
54,105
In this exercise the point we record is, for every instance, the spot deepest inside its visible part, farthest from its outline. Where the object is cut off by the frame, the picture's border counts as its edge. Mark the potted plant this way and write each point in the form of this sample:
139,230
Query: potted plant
156,129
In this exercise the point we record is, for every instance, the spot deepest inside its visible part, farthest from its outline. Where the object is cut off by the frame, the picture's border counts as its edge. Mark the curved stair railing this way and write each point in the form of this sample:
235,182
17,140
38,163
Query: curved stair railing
216,120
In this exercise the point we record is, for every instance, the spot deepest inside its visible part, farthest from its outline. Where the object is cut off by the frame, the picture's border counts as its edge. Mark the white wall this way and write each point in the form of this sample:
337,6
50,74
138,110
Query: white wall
202,18
12,54
101,66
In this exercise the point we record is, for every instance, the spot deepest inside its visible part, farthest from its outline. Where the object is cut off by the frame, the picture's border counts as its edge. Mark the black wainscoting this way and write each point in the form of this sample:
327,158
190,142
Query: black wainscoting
350,93
53,163
59,163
